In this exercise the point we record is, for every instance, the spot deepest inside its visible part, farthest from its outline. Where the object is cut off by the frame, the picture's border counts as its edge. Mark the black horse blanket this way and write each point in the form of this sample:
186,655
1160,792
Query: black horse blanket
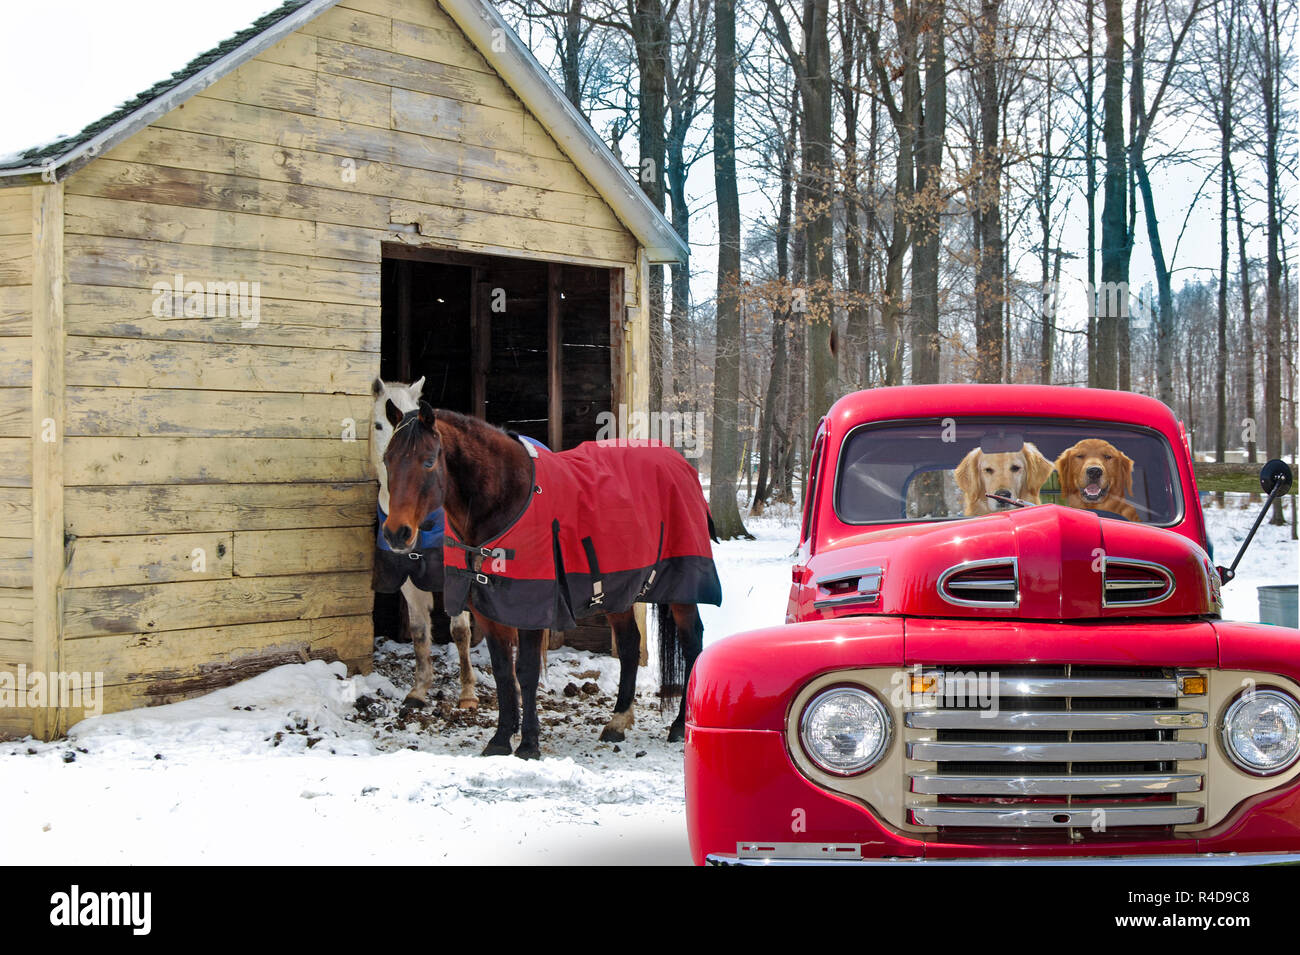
423,565
603,528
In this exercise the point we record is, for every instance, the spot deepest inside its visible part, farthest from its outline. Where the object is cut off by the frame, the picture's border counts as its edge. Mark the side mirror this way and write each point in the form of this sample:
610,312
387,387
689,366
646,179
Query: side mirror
1275,479
1274,473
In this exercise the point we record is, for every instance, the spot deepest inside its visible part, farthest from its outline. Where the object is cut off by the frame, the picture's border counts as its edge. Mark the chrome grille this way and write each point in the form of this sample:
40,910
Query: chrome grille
1062,747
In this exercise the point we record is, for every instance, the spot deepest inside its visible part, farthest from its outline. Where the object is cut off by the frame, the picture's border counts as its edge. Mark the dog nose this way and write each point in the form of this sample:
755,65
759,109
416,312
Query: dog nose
399,538
1003,492
1094,473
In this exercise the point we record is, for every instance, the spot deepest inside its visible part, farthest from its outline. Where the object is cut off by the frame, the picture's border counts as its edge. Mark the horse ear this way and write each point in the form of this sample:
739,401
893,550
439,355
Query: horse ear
377,387
392,412
427,415
416,388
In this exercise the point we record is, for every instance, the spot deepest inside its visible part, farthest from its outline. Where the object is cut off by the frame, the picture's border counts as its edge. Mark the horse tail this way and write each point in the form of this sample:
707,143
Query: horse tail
713,531
672,662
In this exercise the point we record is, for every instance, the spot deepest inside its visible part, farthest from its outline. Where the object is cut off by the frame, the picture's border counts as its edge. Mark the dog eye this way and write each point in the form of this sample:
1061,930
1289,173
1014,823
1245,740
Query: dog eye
1015,468
988,470
1106,456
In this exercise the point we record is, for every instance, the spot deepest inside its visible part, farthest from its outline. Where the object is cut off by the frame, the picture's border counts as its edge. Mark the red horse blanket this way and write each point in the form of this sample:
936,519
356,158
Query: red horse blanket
604,527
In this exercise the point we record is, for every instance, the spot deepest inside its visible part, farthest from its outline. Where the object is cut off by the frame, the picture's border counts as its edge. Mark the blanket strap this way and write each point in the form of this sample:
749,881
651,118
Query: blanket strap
597,591
502,553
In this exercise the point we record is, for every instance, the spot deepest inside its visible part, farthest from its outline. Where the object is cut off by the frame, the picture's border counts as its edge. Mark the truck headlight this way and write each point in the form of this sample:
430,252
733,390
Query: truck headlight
1261,731
845,730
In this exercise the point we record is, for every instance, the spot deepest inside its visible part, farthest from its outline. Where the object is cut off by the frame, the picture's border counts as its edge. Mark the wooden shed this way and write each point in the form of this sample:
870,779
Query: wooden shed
197,291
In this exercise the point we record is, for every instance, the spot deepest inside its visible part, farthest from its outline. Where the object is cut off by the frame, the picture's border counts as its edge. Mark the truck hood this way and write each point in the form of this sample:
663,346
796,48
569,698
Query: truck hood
1045,562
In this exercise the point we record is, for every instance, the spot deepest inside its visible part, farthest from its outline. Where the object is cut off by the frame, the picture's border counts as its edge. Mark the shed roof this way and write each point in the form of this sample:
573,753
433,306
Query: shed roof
480,22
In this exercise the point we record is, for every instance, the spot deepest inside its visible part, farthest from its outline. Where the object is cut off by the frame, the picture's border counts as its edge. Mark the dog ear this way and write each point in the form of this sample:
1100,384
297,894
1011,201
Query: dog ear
1039,468
967,476
1126,473
1065,474
392,413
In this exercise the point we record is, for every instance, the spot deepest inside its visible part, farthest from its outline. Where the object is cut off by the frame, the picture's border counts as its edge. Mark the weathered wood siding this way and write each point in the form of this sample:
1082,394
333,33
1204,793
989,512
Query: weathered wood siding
222,520
15,444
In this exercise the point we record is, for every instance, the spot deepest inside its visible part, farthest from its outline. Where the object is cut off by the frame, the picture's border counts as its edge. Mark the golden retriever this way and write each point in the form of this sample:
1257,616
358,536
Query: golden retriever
1097,476
1014,474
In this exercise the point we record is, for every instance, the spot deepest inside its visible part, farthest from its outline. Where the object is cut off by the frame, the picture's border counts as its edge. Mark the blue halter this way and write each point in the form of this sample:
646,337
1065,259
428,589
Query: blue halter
430,539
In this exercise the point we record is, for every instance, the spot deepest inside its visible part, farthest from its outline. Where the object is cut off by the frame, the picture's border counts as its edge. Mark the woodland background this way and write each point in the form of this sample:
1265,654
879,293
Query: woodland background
884,192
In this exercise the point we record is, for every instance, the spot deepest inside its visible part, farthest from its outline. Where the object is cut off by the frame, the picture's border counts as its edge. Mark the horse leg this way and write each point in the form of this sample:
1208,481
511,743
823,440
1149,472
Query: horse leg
460,632
501,643
627,637
419,612
527,669
690,631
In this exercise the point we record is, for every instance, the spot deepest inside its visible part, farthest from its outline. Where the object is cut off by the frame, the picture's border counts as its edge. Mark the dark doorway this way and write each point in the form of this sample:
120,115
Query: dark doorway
533,347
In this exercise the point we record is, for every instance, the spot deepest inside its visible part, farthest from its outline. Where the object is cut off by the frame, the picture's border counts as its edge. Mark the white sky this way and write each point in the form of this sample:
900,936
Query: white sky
76,62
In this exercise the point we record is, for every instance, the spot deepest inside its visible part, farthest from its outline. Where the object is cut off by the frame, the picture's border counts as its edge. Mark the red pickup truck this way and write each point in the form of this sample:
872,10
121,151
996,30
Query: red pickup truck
1003,641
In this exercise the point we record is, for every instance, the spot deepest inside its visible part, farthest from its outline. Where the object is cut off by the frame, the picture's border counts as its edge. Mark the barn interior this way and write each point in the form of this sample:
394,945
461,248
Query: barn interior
525,345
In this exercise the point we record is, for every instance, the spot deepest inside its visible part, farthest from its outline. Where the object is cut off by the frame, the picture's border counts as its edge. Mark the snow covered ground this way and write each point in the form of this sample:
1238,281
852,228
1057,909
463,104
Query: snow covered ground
302,764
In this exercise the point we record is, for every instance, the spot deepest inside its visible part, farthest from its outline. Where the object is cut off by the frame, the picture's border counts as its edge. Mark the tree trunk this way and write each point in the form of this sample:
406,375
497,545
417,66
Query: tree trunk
726,375
926,223
819,166
1111,298
989,288
650,32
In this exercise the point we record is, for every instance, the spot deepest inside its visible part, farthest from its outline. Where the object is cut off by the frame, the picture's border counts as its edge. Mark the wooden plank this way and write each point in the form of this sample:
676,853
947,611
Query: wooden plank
417,74
16,211
277,163
16,614
367,144
16,259
555,240
149,608
16,723
125,263
15,362
15,562
268,553
196,508
438,116
48,388
297,49
91,215
16,512
130,363
352,26
193,657
554,360
15,310
116,412
152,460
16,412
150,559
16,462
170,186
105,311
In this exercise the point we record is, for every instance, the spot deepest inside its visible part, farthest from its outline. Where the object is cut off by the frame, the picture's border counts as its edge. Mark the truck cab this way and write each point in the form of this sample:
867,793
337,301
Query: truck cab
1003,639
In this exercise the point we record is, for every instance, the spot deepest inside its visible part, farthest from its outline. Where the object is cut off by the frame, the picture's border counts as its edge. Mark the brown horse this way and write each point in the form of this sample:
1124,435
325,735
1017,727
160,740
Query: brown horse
484,479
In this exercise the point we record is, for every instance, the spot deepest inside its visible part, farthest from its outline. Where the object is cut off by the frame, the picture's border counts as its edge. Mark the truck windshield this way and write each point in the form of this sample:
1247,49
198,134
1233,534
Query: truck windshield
945,469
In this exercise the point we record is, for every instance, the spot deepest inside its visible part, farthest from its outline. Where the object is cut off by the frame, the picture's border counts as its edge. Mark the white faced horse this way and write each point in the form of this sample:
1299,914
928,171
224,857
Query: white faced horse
419,603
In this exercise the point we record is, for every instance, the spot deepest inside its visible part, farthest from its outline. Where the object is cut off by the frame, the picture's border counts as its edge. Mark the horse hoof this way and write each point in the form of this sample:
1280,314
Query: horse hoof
529,751
611,735
414,703
677,733
494,748
471,704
